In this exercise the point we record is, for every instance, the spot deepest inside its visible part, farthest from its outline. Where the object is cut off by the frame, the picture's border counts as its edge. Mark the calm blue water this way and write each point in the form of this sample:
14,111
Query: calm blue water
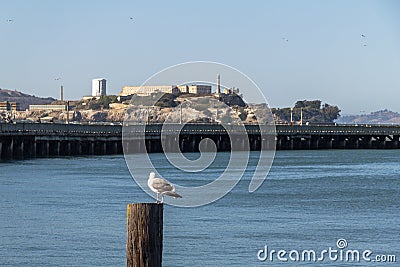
71,211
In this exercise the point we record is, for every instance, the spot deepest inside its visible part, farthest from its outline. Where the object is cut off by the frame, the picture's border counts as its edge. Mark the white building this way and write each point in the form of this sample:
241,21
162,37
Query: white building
147,90
99,87
200,89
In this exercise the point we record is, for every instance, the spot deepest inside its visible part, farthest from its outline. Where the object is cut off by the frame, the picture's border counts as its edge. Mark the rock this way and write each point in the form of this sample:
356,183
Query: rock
99,116
77,116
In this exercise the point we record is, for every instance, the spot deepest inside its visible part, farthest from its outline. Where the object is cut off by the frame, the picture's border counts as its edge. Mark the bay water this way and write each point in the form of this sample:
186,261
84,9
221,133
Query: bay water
72,211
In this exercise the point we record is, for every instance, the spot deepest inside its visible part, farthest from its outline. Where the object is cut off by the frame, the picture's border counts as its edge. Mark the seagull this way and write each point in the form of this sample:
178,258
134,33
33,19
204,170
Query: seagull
161,186
9,20
362,35
56,79
130,18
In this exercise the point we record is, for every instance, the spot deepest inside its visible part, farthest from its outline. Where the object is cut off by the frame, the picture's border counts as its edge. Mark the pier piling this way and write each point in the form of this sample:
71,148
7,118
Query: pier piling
144,234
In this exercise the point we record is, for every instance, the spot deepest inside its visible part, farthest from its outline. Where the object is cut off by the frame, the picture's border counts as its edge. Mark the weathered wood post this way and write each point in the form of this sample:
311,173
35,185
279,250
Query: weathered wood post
144,223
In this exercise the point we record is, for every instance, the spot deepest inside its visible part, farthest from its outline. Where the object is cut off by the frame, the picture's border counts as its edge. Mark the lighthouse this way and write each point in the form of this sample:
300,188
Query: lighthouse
61,93
218,89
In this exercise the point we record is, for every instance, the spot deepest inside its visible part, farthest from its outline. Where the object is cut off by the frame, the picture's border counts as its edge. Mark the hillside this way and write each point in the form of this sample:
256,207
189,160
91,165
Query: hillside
378,117
23,99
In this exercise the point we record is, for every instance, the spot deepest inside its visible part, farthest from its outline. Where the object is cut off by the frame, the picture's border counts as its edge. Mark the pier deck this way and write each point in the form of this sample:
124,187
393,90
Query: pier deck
25,140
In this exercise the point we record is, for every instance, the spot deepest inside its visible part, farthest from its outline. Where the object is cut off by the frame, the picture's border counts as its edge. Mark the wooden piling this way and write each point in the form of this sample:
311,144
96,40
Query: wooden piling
144,234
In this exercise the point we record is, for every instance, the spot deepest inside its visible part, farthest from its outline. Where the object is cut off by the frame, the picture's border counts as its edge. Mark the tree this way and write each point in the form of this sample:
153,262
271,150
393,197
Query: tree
312,112
300,104
331,113
105,100
314,104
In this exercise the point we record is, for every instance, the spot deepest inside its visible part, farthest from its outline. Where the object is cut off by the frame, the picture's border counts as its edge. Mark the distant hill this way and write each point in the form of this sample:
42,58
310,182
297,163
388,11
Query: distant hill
23,99
378,117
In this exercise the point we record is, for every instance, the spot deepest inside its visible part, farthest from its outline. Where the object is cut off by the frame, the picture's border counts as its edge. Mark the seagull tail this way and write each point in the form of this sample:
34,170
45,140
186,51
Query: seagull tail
173,194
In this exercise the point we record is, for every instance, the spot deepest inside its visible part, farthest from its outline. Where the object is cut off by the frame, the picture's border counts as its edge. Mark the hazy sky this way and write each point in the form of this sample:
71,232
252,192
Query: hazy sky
324,57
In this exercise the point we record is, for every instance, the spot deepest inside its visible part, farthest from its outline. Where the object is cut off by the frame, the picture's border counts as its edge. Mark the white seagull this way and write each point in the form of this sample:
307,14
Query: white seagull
161,186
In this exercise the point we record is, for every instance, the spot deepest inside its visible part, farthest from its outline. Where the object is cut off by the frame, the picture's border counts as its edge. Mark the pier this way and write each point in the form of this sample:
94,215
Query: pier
31,140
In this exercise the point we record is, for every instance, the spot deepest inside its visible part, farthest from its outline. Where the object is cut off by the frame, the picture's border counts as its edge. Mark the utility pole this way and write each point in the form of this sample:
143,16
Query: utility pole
180,117
291,116
301,116
67,112
181,113
148,114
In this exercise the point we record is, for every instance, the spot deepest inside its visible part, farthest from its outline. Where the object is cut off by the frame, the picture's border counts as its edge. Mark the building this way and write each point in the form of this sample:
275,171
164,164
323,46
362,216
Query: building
9,106
122,98
89,97
47,107
200,89
232,91
183,89
147,90
99,87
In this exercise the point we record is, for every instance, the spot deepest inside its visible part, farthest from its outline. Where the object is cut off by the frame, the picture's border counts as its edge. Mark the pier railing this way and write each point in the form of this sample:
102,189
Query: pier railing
58,129
94,129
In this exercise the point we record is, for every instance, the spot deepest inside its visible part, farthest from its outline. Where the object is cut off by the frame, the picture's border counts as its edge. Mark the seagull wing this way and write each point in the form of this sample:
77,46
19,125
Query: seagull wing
162,185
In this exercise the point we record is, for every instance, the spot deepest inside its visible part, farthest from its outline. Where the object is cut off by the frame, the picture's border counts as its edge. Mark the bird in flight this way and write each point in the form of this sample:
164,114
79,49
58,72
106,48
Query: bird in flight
131,18
363,36
285,39
10,20
161,186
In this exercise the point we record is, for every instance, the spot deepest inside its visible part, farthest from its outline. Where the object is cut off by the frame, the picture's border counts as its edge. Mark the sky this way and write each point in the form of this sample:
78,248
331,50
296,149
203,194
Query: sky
293,50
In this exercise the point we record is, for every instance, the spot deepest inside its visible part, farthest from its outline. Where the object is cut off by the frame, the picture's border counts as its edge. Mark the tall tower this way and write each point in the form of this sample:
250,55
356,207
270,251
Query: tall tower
218,89
61,93
98,87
